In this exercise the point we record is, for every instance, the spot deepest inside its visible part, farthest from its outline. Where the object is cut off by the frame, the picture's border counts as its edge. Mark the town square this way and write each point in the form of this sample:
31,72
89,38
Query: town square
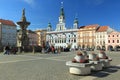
60,40
38,66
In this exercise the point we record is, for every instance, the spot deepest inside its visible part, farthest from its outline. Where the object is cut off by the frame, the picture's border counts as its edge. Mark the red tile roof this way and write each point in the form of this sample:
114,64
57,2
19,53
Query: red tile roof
102,28
7,22
92,26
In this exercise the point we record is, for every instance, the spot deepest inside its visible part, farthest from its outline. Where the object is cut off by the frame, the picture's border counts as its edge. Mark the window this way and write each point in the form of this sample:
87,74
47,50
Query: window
113,35
62,40
117,35
74,35
74,40
108,41
113,41
117,41
69,40
65,41
55,41
60,27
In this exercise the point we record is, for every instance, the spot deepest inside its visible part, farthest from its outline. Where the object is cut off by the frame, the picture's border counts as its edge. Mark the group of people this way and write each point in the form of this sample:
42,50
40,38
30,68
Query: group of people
53,50
8,50
84,57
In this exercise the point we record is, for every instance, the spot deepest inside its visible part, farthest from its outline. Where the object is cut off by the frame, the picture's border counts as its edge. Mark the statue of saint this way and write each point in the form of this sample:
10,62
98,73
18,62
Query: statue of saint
23,12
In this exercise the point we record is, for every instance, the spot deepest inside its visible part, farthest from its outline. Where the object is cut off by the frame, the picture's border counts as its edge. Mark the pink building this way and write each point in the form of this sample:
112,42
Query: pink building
113,41
33,38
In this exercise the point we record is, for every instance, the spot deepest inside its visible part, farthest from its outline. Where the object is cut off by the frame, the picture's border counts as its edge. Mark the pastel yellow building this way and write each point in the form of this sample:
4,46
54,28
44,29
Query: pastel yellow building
86,36
42,37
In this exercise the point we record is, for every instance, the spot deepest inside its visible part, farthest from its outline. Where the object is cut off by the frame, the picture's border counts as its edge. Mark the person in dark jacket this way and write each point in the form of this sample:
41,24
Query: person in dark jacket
7,50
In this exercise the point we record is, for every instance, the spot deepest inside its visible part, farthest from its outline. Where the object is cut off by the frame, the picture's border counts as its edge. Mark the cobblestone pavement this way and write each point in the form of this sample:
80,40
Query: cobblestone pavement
29,66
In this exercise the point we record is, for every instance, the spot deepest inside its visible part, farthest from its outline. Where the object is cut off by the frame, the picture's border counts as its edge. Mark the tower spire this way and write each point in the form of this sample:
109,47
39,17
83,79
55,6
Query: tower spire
62,10
61,4
61,25
76,23
76,18
49,27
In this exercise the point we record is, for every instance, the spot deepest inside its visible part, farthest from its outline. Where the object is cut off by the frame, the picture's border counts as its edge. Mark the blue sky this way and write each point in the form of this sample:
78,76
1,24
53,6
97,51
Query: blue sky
40,12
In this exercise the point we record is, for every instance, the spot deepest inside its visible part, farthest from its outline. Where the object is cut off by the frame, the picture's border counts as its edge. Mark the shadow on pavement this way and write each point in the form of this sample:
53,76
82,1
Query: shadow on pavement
106,71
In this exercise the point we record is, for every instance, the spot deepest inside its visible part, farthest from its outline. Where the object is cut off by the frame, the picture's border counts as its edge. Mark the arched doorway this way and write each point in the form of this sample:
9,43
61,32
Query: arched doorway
110,48
83,46
117,48
103,48
98,47
87,47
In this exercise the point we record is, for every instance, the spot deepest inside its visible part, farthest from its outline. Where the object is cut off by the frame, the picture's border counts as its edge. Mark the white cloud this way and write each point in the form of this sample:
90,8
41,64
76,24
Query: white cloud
30,2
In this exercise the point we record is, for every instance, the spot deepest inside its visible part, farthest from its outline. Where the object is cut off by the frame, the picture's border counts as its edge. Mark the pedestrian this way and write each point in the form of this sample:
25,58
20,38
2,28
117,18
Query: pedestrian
14,50
7,50
59,50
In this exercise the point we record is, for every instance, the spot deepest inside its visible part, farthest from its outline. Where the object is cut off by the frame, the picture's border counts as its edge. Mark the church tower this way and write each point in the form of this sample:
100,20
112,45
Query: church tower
61,25
49,28
76,24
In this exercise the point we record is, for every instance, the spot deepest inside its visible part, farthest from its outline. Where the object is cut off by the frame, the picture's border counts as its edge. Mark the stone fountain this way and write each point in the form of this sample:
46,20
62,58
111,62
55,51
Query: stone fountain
23,39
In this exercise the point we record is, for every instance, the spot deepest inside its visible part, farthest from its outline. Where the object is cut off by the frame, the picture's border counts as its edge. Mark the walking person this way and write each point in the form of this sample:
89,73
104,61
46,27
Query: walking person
7,50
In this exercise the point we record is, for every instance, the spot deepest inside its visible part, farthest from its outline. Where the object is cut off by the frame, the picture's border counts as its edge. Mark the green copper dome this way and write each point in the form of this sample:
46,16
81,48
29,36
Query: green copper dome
49,25
76,20
62,12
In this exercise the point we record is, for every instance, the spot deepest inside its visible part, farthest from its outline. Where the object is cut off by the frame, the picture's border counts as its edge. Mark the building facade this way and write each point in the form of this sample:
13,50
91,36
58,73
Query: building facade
102,37
113,42
62,37
42,37
86,36
8,33
33,38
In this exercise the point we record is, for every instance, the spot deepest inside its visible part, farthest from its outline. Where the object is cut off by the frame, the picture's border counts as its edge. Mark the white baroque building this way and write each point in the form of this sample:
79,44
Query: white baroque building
8,33
102,37
62,37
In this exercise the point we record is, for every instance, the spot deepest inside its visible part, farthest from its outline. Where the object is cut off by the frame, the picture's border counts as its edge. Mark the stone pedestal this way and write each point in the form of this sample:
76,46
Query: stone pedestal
79,68
105,63
97,65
